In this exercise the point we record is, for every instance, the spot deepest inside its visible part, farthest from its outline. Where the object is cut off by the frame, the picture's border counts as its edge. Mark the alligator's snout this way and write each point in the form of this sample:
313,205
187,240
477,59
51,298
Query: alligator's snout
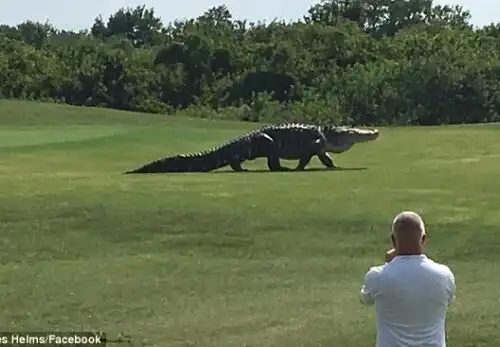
368,135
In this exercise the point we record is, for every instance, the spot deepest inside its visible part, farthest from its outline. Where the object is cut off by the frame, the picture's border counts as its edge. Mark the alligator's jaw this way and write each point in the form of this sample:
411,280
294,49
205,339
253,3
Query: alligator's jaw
365,135
344,138
339,148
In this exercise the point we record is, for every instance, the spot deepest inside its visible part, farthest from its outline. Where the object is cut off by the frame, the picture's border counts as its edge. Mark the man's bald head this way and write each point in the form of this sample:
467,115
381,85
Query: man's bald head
407,227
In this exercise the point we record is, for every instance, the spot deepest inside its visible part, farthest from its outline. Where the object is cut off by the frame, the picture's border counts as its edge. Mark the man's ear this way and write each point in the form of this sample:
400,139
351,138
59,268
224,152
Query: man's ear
393,239
424,239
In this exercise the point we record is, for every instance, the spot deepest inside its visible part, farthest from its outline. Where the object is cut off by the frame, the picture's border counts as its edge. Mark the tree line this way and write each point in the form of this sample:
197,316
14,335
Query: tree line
358,62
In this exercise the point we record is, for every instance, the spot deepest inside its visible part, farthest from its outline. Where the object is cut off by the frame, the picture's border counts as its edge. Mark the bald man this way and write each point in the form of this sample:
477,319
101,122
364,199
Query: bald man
411,292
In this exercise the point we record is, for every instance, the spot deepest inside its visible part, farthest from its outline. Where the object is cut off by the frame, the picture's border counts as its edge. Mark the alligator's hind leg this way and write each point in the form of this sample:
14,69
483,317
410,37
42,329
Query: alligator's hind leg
270,151
326,160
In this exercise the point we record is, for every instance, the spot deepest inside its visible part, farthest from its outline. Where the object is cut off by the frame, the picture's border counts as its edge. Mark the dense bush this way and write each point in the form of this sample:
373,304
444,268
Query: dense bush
347,61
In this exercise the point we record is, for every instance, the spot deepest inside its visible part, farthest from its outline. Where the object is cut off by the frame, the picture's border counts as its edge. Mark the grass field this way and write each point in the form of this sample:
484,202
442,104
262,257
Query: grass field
229,260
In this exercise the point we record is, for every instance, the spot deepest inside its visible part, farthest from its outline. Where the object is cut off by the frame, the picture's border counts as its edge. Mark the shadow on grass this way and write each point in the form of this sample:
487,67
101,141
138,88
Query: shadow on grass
254,171
291,171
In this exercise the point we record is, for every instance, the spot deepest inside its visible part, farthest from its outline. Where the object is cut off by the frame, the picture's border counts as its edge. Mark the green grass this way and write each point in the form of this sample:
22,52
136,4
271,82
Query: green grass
226,260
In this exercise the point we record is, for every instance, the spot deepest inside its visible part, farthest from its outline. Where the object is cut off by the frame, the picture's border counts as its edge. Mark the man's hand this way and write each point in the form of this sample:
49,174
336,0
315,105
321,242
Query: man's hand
389,255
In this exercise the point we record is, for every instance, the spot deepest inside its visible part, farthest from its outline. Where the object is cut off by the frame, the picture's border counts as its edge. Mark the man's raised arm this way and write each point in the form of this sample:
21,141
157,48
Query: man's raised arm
451,286
366,294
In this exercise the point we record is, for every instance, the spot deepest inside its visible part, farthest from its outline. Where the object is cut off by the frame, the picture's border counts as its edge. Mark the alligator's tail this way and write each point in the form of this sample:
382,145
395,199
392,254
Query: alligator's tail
207,160
238,148
198,162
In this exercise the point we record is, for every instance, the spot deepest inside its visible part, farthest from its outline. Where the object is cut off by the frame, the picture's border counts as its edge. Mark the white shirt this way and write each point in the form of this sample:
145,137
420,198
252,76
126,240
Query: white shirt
411,296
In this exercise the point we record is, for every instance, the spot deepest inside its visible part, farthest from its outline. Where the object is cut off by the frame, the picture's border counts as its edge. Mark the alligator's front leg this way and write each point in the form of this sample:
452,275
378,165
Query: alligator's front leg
325,158
236,166
271,153
273,162
316,149
303,162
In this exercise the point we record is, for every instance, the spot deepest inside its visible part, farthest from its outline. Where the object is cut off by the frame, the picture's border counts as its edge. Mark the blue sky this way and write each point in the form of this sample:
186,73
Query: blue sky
77,15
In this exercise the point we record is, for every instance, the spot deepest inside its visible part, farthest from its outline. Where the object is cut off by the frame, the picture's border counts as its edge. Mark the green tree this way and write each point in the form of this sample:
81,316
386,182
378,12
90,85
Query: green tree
346,62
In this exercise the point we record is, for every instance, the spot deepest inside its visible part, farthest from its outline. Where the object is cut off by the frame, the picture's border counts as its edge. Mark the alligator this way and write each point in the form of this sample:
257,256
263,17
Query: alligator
291,141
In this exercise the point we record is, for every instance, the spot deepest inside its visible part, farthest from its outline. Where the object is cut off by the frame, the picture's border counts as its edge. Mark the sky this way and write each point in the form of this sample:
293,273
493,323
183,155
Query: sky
76,15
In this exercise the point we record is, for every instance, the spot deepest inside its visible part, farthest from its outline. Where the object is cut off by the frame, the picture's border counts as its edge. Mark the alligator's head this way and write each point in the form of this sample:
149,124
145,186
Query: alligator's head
340,139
